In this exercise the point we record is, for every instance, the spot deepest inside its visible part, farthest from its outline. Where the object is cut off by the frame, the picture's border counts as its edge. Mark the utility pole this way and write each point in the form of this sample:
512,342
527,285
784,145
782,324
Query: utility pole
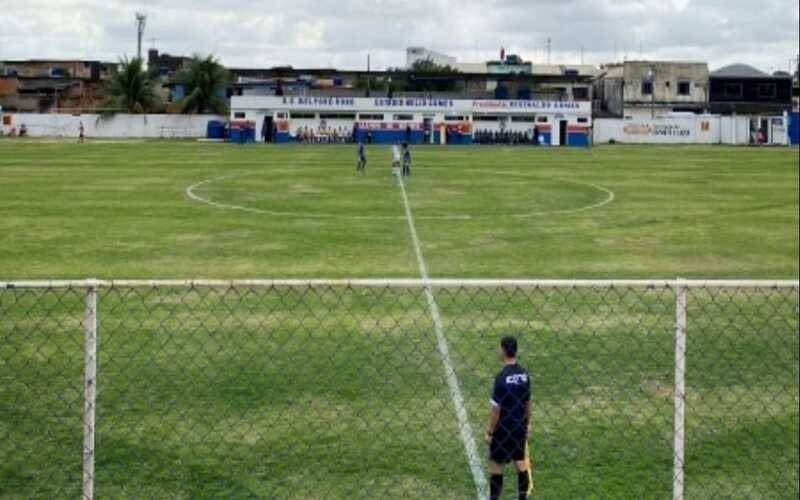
369,83
141,22
549,47
651,75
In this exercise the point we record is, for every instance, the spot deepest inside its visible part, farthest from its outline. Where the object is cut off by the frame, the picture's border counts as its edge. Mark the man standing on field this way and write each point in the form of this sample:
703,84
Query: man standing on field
395,159
509,423
406,160
361,166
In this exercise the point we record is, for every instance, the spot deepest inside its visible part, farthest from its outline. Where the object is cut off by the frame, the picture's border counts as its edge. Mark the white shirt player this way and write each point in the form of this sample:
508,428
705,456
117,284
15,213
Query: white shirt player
395,159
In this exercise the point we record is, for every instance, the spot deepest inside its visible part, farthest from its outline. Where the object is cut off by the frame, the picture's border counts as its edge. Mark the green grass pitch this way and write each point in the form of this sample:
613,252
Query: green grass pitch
121,210
340,393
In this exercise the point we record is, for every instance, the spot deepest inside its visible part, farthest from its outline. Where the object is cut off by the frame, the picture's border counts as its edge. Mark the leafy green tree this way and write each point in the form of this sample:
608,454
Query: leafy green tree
205,81
427,66
427,76
131,89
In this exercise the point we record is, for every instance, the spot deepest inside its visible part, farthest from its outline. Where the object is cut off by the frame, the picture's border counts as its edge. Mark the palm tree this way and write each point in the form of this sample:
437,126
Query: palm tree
131,89
205,82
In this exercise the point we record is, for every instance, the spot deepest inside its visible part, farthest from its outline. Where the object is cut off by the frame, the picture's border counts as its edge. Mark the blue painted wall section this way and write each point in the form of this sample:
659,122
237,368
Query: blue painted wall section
794,128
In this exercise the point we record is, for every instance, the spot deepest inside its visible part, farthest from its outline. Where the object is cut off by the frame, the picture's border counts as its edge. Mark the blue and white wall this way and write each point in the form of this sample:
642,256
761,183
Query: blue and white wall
388,119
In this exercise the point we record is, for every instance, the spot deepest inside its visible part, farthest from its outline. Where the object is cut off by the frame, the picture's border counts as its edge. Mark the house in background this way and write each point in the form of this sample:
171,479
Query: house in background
649,89
166,65
739,89
656,88
744,90
46,85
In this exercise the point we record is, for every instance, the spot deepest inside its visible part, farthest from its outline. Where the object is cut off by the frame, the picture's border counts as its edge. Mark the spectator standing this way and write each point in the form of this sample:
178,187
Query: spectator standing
406,160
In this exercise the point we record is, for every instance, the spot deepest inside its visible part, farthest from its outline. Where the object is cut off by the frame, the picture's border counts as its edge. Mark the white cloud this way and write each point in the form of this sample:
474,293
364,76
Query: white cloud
315,33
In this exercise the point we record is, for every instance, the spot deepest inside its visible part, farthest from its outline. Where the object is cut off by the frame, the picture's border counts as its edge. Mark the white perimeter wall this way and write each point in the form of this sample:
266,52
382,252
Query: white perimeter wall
118,126
701,129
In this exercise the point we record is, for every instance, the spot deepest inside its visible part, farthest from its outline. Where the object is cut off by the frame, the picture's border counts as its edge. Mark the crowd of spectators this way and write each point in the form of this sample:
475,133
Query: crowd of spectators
506,137
335,135
343,135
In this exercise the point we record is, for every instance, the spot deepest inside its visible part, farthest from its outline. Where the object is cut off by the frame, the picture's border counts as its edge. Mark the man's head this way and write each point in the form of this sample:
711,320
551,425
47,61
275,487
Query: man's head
508,348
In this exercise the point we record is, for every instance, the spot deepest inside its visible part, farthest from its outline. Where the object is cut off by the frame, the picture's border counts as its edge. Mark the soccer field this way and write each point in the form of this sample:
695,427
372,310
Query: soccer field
340,392
115,210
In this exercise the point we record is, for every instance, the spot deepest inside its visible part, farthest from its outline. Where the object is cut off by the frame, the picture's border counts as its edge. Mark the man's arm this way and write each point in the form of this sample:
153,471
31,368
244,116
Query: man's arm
528,416
494,418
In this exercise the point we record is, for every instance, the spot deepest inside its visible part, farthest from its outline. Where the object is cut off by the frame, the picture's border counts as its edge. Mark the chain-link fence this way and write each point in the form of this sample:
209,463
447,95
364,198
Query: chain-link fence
380,389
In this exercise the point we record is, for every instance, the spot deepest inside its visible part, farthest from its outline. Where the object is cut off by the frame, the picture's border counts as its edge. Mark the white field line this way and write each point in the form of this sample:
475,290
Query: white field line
609,198
190,193
467,436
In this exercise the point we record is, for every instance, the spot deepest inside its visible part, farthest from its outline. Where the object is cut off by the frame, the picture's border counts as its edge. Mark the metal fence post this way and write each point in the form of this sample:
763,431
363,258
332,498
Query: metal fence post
90,387
680,390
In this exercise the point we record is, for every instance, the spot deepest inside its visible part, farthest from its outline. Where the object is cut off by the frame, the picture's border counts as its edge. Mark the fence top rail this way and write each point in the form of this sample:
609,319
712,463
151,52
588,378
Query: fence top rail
405,283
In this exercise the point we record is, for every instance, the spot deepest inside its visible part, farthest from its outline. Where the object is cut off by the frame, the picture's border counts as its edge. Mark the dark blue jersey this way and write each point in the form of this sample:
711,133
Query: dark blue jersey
361,152
512,390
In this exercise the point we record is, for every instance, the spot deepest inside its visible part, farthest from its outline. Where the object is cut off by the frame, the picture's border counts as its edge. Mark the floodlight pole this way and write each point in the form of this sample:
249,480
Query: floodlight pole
369,83
141,22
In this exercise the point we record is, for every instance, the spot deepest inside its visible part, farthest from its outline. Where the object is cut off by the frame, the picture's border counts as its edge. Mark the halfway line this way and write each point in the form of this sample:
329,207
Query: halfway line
467,436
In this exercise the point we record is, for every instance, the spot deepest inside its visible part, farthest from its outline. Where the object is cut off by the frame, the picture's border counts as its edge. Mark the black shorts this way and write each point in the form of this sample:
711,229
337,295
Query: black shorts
507,447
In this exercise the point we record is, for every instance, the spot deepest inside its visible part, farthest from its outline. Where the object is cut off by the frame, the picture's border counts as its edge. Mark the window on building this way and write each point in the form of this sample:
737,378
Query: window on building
647,88
580,92
299,115
541,119
454,118
239,115
733,90
684,88
583,119
337,116
523,118
403,118
486,118
370,117
283,115
766,90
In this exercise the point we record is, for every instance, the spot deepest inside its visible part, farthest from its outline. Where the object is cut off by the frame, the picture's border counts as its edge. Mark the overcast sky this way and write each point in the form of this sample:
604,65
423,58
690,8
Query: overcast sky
339,33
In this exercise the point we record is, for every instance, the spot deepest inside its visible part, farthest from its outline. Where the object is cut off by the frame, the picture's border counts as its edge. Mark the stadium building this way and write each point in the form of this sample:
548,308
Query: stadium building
431,120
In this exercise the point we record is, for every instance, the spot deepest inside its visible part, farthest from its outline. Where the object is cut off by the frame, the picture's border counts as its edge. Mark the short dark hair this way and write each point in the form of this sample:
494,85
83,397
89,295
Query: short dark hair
509,345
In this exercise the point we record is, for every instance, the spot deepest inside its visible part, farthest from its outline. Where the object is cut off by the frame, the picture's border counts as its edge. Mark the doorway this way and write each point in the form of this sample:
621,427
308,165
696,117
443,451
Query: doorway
562,133
267,129
427,129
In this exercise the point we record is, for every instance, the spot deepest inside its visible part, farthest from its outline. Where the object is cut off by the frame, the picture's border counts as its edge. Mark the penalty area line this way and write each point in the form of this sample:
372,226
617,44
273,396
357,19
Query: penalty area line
467,436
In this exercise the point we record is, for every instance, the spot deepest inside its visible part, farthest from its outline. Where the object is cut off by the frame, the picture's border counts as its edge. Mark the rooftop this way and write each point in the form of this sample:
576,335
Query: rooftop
739,71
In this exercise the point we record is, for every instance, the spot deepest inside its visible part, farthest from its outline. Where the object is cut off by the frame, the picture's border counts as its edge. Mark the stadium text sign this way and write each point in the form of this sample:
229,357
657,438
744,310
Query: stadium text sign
527,105
409,104
666,130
